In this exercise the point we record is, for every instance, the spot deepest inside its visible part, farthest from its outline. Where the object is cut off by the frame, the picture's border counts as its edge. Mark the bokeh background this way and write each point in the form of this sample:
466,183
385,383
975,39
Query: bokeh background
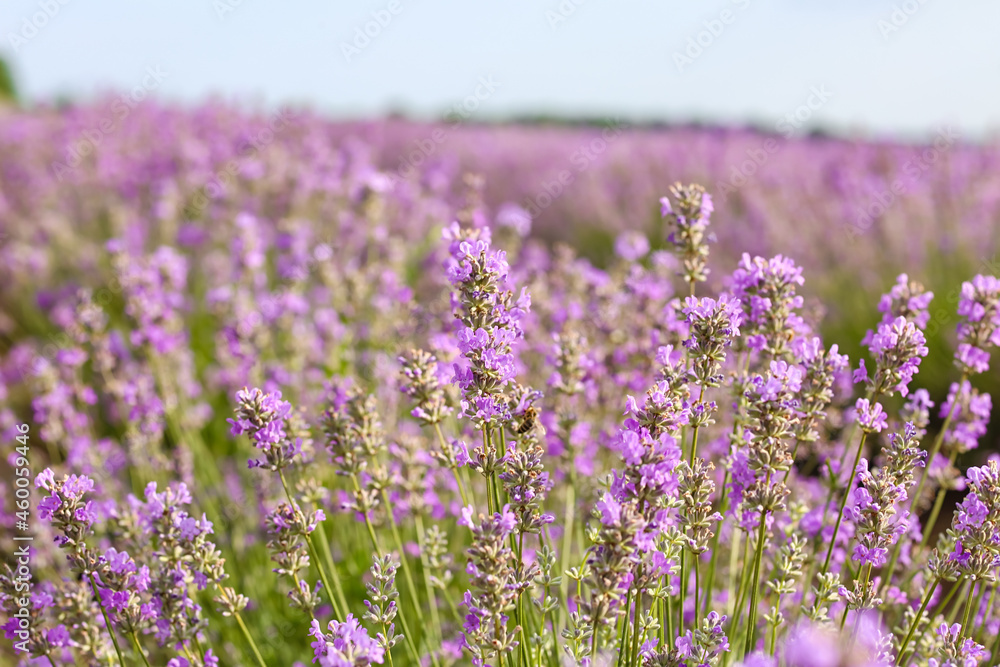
859,137
894,67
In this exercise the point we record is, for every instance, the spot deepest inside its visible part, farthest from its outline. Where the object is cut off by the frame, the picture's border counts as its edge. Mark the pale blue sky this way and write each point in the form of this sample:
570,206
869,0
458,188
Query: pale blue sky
606,58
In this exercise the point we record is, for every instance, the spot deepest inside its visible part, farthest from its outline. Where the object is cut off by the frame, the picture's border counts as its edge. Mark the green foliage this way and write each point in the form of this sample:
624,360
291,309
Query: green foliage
8,92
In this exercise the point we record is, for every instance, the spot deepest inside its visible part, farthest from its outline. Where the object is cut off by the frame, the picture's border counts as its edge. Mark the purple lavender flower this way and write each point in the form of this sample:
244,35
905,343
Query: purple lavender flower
871,417
288,528
706,644
155,296
495,583
263,416
773,410
979,305
766,290
696,519
664,410
907,299
970,417
346,644
381,602
527,484
207,660
917,409
713,326
874,509
956,651
122,586
490,323
422,382
631,246
687,224
898,348
975,526
184,560
821,368
66,509
514,217
355,441
611,561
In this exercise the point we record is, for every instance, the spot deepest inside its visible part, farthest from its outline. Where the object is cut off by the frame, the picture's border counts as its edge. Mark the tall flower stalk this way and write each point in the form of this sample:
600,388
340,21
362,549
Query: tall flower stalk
752,506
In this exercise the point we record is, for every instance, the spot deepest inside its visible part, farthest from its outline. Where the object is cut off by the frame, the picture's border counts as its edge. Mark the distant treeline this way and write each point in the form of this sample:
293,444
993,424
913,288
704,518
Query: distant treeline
7,91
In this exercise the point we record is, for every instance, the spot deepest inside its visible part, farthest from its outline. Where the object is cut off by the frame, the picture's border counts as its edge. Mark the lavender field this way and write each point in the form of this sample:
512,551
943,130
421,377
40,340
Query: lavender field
280,390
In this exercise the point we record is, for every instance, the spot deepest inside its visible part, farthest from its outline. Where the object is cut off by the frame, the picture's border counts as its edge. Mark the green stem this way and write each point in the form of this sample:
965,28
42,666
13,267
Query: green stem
497,485
661,616
857,619
697,591
774,624
368,521
732,587
388,654
694,444
955,607
249,638
489,496
941,606
239,620
429,588
313,553
623,638
977,605
936,510
338,586
795,450
541,633
736,604
521,620
670,620
871,396
843,503
190,656
454,469
451,605
968,609
694,435
593,637
683,593
635,628
752,612
936,447
407,635
915,498
916,622
989,608
408,638
410,587
107,622
323,576
488,446
138,648
567,547
497,502
710,583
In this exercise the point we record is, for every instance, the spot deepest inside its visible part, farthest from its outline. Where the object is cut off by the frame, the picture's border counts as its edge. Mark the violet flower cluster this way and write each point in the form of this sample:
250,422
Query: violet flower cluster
536,453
